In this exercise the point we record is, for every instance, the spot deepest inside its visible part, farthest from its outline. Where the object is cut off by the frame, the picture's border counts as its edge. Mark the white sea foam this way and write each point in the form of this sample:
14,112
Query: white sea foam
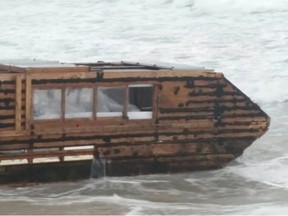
241,5
273,172
248,48
244,39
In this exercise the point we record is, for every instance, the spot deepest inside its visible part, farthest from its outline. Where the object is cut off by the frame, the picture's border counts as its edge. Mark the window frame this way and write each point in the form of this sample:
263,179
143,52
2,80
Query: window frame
32,104
152,102
95,88
65,100
124,105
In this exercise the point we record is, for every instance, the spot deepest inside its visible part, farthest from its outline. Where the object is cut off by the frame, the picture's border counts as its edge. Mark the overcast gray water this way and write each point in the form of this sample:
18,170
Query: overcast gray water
246,40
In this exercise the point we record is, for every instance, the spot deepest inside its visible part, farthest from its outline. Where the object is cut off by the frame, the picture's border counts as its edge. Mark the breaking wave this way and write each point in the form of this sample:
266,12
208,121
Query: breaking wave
271,172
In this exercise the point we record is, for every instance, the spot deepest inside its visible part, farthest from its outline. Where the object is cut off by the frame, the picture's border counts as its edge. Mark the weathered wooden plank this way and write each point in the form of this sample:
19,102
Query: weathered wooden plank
242,127
10,112
5,128
95,130
7,107
162,73
211,135
166,101
62,69
235,113
204,113
26,136
7,95
13,133
94,142
79,84
63,103
44,154
195,124
126,98
7,121
208,115
213,103
10,86
28,103
10,147
174,133
111,123
251,119
56,75
155,101
133,128
18,110
94,102
180,90
208,83
74,139
10,68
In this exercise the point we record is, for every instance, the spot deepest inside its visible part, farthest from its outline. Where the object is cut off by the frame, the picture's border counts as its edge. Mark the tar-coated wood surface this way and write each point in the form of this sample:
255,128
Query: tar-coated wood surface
200,120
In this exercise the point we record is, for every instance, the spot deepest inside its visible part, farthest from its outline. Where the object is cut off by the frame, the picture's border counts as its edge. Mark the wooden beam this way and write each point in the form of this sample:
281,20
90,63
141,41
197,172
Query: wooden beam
29,101
128,74
161,73
46,86
58,69
10,68
30,155
56,75
63,103
126,102
18,107
13,134
155,102
94,101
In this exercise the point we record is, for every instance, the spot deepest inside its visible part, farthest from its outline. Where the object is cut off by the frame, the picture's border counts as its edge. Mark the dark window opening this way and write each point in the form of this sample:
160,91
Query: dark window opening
140,102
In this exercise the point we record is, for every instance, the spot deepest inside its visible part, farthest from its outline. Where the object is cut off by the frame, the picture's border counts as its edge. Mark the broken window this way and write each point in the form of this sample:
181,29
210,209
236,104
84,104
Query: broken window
78,102
140,102
47,104
110,101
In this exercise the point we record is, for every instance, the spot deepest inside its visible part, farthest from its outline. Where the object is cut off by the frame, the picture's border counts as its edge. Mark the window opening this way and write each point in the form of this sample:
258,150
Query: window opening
47,104
110,101
132,102
140,102
78,102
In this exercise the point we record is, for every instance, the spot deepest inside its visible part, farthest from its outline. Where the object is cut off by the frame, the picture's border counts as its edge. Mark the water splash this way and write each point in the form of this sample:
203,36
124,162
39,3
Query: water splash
98,167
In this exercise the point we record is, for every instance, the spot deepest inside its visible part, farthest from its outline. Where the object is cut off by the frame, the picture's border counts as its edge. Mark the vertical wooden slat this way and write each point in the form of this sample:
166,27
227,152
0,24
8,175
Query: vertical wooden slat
155,102
63,103
18,103
94,101
126,101
32,104
28,111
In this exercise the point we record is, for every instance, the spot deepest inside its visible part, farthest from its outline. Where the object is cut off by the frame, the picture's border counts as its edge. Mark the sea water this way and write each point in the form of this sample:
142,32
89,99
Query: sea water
247,40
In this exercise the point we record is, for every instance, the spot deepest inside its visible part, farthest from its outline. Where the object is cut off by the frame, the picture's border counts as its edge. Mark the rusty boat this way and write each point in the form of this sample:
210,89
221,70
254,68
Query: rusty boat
64,121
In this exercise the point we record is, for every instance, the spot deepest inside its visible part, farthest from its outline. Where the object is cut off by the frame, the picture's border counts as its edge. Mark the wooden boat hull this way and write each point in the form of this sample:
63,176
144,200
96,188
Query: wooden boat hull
199,121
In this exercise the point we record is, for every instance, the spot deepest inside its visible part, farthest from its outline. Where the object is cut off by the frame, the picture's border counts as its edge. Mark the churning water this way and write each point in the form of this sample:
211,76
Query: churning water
245,39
